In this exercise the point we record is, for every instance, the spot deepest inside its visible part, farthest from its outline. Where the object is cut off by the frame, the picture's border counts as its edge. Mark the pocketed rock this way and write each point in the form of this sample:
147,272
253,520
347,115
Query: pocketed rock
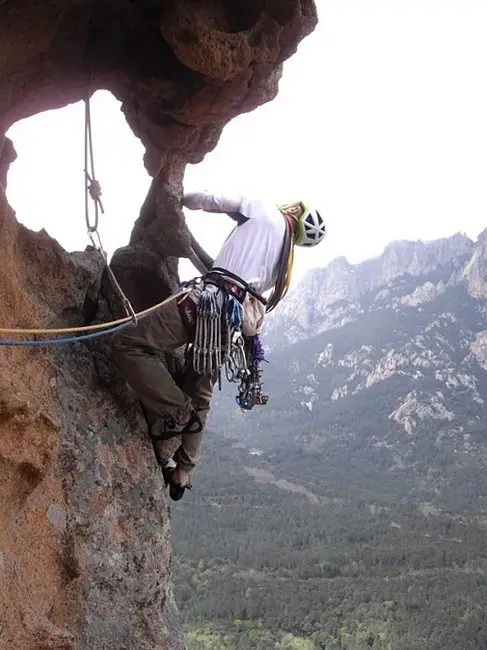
85,546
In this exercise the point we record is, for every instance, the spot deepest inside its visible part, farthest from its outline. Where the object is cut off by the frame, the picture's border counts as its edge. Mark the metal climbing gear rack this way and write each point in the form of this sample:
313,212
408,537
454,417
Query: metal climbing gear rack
219,341
236,364
219,317
250,388
207,346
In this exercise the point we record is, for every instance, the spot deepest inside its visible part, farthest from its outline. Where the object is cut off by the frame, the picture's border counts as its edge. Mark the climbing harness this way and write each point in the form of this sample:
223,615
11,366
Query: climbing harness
219,342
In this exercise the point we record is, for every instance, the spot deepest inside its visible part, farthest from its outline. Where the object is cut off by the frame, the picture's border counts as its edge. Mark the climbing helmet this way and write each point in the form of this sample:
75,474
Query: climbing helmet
311,226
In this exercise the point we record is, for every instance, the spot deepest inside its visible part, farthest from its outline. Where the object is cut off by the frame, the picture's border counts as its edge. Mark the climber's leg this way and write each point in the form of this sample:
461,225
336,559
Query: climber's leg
140,354
200,389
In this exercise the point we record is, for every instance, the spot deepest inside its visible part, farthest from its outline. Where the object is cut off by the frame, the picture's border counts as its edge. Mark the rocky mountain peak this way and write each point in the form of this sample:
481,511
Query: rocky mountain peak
329,297
475,271
397,367
418,257
483,236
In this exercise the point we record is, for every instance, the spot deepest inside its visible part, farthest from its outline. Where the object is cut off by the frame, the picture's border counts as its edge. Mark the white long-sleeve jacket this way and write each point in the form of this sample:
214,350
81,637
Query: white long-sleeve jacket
253,249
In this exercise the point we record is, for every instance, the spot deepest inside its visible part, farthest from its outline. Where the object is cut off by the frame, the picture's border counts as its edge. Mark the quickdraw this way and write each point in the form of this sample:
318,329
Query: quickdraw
250,389
219,317
236,366
207,352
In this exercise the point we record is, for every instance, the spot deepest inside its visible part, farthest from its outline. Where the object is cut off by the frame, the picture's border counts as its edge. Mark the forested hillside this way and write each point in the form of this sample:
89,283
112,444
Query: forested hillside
351,511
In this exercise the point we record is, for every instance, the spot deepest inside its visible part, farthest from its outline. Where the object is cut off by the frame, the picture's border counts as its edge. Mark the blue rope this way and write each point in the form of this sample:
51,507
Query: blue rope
64,341
234,313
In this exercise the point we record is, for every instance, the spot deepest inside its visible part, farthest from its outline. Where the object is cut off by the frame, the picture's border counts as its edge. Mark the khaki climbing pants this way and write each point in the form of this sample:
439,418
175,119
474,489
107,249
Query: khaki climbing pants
141,353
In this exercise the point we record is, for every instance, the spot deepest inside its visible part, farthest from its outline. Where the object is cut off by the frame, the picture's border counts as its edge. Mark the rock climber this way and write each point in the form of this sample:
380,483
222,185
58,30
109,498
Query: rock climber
254,259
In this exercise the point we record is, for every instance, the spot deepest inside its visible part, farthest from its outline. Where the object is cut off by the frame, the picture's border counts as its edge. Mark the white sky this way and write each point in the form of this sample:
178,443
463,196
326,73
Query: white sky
381,121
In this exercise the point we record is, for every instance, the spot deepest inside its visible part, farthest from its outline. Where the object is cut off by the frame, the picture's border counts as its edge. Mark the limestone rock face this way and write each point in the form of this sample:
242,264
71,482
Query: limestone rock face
475,271
84,524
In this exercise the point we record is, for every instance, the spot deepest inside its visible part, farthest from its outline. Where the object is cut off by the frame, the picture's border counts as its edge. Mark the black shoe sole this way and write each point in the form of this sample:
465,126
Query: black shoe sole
176,492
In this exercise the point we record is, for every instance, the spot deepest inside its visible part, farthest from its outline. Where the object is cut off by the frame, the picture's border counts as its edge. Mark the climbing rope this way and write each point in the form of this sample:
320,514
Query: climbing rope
93,190
108,328
64,340
97,326
285,266
92,186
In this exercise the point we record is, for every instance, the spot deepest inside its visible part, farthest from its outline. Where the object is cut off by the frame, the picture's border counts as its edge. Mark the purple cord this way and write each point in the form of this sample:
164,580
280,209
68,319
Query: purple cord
258,354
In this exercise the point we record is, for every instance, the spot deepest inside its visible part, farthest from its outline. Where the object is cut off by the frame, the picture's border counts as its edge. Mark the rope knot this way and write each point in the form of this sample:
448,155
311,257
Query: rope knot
94,188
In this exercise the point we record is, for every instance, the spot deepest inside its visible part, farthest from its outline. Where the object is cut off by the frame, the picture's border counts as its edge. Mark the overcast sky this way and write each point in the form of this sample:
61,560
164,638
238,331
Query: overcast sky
381,121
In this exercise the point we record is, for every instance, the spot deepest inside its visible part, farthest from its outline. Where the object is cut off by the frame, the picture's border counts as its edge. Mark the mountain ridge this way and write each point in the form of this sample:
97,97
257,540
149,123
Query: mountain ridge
327,297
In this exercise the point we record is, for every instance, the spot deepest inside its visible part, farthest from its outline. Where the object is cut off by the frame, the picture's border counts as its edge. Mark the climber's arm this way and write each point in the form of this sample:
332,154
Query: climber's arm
212,203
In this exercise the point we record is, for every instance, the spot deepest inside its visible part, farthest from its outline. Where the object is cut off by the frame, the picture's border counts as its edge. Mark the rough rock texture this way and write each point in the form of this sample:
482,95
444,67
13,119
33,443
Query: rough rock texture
475,271
181,69
84,526
7,156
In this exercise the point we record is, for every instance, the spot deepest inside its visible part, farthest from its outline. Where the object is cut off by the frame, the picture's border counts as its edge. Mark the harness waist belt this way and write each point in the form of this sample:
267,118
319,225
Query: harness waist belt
233,284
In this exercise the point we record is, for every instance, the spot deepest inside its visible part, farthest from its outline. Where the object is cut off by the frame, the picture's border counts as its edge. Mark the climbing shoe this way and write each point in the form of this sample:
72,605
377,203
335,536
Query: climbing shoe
176,490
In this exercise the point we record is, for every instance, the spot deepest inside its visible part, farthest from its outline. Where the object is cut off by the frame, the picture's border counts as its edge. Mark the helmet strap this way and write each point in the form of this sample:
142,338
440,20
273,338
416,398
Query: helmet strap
296,223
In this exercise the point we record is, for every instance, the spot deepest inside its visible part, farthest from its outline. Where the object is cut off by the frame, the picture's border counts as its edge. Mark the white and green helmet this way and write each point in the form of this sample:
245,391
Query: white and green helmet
311,226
